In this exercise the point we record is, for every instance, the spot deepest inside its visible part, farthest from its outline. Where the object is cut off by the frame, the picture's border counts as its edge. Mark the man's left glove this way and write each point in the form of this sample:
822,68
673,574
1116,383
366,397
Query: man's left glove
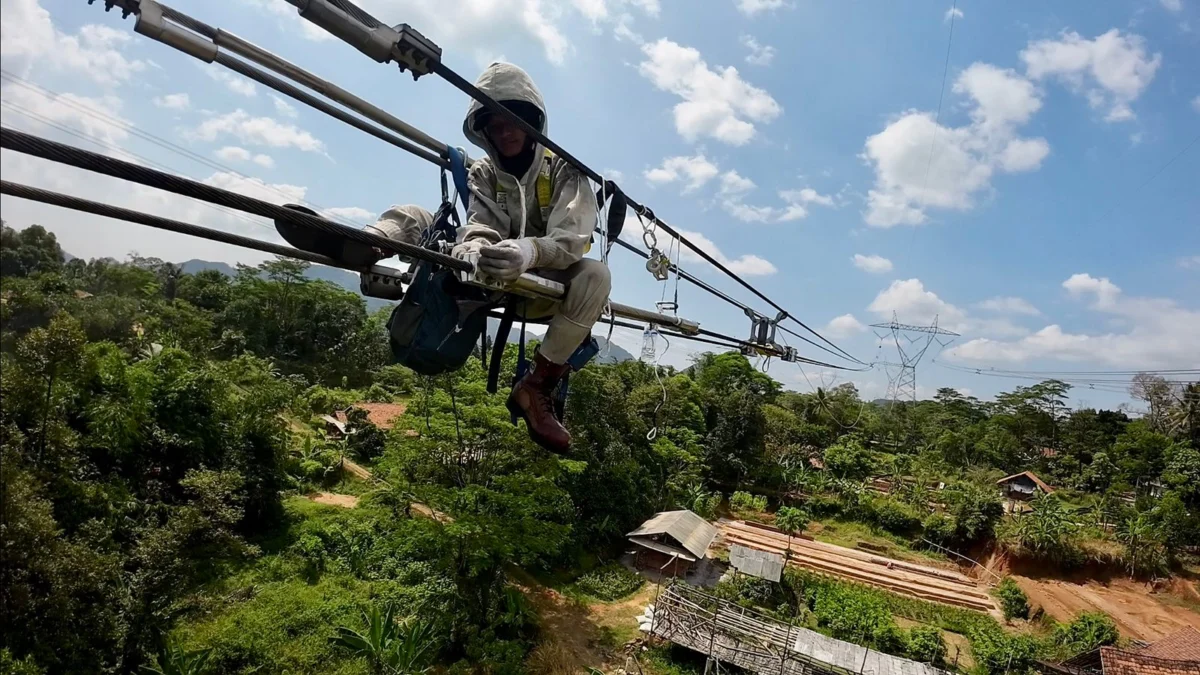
508,259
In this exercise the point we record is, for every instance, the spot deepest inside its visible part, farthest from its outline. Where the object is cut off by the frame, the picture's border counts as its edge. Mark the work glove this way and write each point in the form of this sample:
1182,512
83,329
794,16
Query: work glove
508,259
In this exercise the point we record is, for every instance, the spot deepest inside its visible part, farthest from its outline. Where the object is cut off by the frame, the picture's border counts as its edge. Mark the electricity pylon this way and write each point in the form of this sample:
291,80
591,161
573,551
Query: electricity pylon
903,387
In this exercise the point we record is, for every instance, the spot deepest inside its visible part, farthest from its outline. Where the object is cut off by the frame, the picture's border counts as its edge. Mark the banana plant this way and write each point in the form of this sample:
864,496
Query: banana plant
390,646
175,660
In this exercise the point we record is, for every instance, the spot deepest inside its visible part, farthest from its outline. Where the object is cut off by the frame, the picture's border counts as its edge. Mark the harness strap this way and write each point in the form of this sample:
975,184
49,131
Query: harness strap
458,169
506,322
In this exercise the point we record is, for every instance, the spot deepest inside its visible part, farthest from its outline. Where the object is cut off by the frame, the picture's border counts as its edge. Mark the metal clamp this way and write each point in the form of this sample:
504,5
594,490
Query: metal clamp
383,282
528,285
415,52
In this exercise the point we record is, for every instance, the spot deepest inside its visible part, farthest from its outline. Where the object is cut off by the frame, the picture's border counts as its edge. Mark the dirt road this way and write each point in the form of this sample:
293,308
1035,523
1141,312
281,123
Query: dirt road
333,499
1140,611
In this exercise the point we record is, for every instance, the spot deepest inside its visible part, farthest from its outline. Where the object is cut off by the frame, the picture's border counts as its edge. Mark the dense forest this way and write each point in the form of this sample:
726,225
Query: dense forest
157,428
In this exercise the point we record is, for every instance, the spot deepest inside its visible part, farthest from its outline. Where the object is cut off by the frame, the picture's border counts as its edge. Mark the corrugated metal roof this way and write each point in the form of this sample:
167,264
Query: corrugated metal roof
856,658
663,548
690,530
761,564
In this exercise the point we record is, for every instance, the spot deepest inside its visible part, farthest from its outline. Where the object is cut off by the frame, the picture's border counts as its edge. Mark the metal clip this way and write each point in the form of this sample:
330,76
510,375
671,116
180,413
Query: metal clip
382,282
659,265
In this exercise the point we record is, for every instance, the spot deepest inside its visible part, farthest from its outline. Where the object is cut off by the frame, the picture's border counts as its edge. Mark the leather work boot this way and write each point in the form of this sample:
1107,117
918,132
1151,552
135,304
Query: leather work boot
532,399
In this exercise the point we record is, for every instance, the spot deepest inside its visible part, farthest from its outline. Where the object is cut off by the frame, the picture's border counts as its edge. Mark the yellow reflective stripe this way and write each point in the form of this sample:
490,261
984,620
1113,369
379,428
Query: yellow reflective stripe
545,190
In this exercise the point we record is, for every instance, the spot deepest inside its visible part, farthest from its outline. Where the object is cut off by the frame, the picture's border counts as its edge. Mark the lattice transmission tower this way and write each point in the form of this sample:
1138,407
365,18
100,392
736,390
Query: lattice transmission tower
903,387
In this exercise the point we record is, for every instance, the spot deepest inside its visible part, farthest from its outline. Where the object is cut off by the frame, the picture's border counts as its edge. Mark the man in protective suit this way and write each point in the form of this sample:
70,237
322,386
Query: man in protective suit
530,211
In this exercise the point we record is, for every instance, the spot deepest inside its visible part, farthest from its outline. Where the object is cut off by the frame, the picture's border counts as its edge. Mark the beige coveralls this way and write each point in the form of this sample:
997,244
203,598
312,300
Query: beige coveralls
513,212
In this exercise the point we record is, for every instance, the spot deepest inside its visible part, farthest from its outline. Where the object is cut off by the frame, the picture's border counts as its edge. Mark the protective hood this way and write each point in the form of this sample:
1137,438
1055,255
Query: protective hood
504,82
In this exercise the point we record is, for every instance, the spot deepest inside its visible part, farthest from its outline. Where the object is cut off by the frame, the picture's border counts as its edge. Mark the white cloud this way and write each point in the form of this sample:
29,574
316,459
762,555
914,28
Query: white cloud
752,7
844,326
173,101
613,175
747,213
98,118
1105,291
693,171
716,103
733,183
29,41
1161,335
232,153
1196,104
1111,70
235,83
875,264
920,164
910,302
795,204
1172,5
1191,262
952,13
760,55
806,196
1008,305
352,214
258,131
284,108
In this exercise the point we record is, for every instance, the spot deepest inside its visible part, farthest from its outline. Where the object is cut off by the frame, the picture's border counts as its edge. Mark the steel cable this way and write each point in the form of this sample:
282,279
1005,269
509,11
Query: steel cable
35,146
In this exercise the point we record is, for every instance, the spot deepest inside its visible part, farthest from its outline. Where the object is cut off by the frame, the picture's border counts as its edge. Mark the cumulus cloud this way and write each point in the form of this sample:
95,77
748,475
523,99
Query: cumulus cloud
921,164
716,103
760,55
235,83
694,172
232,153
265,161
952,13
173,101
844,326
875,264
1172,5
1161,335
795,206
909,300
257,131
1190,262
1008,305
752,7
1111,70
1196,104
733,183
99,118
29,41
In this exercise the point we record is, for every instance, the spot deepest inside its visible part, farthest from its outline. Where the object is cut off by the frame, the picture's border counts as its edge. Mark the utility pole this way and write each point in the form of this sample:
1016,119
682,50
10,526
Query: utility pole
917,340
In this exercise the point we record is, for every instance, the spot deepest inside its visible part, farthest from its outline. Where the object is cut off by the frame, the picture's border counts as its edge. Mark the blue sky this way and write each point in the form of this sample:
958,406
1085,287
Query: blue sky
796,139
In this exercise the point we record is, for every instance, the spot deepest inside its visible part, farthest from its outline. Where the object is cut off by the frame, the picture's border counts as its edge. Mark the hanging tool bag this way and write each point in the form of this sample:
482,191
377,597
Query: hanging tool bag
437,324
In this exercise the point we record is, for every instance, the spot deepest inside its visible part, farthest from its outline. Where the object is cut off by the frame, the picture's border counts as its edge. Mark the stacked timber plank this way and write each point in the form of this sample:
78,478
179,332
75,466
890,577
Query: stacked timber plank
905,578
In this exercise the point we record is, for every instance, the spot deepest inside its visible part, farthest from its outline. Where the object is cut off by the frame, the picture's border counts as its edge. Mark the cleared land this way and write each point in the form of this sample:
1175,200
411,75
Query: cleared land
1140,611
898,576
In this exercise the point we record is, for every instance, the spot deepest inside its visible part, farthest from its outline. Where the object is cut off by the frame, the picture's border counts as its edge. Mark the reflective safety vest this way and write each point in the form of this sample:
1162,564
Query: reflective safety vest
544,188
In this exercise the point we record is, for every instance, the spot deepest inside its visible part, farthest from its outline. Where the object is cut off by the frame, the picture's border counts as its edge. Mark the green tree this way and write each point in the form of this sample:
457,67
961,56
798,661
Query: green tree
849,460
28,251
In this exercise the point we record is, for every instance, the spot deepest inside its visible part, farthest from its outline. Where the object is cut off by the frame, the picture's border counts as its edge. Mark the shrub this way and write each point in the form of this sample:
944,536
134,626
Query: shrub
896,517
925,644
1087,631
823,506
998,652
609,582
1012,599
748,502
849,459
1048,533
939,528
705,504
